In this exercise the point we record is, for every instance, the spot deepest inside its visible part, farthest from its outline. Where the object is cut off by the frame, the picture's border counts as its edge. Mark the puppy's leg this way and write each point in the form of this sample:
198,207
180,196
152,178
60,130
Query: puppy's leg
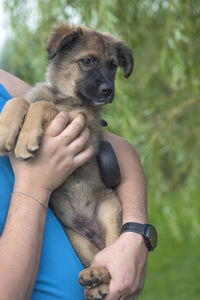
83,247
11,121
96,279
39,115
109,217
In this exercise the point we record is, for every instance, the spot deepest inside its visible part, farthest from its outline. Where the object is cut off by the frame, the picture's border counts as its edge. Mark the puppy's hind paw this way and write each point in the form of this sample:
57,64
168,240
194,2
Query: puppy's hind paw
97,293
94,276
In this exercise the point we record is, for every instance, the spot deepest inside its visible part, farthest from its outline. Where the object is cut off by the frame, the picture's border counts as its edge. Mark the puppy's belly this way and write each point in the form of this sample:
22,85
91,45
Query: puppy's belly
90,229
76,202
81,216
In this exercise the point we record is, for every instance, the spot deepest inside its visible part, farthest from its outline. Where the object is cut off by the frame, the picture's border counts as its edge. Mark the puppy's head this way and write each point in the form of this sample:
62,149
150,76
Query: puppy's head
84,63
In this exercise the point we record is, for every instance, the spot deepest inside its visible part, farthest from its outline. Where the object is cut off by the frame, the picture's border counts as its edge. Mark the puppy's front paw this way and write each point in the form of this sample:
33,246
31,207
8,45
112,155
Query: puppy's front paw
11,120
28,143
7,138
97,293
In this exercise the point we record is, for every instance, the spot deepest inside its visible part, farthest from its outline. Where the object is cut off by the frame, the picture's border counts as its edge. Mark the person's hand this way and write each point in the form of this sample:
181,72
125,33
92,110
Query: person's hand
59,155
126,260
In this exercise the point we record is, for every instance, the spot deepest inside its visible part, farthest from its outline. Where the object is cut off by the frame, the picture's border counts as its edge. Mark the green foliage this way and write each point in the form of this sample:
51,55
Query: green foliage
157,109
172,272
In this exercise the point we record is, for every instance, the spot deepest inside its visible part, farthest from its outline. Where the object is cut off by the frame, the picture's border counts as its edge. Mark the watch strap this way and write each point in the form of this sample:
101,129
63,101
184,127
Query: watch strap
146,230
134,227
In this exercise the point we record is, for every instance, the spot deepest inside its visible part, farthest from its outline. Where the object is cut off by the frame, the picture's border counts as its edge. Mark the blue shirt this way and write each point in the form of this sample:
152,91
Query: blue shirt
57,277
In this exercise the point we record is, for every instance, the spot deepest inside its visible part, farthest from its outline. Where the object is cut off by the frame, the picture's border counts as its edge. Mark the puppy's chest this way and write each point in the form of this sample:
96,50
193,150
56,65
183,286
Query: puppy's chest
92,116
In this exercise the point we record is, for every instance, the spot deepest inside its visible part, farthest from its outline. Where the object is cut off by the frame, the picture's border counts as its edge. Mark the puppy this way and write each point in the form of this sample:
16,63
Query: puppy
80,79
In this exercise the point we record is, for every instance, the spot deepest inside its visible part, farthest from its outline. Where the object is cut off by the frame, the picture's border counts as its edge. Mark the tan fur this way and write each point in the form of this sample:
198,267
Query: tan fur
11,121
86,251
33,128
83,204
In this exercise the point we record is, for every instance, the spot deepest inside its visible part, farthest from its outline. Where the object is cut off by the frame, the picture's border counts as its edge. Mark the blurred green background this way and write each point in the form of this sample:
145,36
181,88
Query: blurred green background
157,109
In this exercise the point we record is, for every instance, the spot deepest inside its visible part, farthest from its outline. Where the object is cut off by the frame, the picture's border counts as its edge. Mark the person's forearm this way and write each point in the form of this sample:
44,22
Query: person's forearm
21,240
125,259
132,189
21,243
15,86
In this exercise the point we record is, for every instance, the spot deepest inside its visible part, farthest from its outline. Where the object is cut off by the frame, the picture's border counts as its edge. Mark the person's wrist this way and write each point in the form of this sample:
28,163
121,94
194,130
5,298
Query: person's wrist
137,219
134,240
133,237
40,192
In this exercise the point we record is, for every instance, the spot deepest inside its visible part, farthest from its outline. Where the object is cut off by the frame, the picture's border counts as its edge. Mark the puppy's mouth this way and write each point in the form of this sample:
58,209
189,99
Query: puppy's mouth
95,102
100,102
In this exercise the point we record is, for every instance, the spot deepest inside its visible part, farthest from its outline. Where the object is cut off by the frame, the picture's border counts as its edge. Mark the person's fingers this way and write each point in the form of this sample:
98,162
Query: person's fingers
83,156
118,292
132,296
73,129
77,145
113,295
58,124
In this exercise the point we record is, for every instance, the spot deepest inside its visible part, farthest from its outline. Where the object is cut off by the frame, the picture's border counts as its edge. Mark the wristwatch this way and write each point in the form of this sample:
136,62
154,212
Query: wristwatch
146,230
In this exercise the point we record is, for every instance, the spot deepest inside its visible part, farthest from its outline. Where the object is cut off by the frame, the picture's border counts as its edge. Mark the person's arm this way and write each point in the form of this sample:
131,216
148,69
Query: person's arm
15,86
132,188
126,258
21,241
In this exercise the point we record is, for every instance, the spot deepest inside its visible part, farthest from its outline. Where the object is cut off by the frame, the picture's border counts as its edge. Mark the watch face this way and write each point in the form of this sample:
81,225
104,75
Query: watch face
152,237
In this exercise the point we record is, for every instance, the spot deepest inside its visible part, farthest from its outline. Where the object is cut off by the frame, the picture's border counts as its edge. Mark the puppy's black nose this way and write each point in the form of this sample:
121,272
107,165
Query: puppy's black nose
106,89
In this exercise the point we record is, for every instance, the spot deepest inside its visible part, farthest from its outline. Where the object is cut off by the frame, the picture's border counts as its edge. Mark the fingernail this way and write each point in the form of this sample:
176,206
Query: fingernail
81,115
63,115
87,131
91,149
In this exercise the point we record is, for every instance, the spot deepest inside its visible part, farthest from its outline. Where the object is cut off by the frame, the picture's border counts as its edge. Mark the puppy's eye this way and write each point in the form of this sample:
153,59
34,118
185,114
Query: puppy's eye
88,61
113,66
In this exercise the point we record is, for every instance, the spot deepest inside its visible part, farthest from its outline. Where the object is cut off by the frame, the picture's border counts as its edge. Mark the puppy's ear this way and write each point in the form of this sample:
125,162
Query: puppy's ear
125,58
62,36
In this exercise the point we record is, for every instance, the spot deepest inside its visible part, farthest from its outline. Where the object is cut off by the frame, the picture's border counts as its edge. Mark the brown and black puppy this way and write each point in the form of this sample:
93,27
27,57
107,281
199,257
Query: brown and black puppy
80,78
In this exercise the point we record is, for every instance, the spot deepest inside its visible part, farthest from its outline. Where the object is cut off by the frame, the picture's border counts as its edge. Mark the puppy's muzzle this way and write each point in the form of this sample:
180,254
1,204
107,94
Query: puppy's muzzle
106,89
106,94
